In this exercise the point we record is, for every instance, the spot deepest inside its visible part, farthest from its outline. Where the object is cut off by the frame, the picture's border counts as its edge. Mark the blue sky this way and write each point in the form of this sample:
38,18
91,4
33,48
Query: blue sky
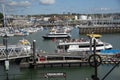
59,6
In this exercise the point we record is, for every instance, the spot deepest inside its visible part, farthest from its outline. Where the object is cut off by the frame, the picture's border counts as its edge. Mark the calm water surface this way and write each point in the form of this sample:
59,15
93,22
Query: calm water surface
73,73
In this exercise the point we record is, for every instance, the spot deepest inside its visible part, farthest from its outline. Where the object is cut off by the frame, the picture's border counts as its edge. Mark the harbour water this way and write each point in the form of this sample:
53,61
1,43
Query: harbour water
72,73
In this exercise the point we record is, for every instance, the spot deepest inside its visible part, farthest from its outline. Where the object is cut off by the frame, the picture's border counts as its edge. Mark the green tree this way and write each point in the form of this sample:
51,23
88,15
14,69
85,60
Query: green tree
1,17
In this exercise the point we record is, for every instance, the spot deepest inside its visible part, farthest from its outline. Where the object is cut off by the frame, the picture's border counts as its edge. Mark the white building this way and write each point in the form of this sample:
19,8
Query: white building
83,17
46,18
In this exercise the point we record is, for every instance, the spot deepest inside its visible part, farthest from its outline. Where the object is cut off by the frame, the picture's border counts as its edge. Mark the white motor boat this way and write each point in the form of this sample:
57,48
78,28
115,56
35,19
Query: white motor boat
82,45
56,34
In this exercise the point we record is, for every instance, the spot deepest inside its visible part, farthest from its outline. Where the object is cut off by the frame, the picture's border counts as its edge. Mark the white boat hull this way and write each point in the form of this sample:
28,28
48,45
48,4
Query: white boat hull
83,46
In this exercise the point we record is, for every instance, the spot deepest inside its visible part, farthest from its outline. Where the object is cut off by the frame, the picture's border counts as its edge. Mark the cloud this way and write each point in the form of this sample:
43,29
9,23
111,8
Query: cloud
2,0
21,3
25,3
47,2
13,3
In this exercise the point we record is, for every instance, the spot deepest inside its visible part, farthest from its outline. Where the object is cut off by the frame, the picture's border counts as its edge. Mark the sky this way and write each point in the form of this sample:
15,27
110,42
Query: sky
28,7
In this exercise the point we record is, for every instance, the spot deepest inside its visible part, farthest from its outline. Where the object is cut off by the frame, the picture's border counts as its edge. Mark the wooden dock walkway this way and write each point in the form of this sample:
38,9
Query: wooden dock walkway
63,60
58,60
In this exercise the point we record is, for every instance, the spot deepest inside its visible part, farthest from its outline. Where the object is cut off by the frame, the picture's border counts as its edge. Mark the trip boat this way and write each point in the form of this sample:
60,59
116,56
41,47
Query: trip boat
75,45
56,34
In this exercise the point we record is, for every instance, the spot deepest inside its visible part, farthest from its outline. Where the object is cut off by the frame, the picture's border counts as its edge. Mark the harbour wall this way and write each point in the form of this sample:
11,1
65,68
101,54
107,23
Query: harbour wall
99,29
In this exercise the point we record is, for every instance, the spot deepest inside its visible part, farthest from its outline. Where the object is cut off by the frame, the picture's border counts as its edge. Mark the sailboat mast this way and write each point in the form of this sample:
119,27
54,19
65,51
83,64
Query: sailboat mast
4,18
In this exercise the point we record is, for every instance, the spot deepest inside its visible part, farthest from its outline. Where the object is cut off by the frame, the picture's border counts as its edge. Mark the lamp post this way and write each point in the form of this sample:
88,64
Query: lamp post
5,38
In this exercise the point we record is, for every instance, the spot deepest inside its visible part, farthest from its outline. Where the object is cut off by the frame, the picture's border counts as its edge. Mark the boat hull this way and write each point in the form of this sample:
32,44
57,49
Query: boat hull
74,46
52,37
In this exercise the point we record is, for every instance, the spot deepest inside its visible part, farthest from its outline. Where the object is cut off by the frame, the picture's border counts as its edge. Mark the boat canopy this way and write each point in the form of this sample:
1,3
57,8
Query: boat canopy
25,42
110,52
94,35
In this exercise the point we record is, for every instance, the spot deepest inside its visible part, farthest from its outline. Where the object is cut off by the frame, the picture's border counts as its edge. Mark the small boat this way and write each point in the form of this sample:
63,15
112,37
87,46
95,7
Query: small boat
7,33
24,42
56,34
74,45
23,45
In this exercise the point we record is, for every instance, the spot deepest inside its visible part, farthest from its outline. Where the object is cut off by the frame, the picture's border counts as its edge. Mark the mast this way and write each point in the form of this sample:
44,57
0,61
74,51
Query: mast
4,17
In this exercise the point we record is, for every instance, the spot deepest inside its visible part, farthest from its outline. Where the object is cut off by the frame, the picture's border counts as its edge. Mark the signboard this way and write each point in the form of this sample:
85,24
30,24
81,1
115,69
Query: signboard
6,65
55,75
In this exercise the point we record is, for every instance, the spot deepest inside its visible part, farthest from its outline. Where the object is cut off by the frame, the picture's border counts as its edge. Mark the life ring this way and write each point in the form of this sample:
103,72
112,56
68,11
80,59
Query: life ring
94,60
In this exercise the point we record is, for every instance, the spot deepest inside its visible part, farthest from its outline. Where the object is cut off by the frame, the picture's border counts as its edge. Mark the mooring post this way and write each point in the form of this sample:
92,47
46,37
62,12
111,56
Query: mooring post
34,53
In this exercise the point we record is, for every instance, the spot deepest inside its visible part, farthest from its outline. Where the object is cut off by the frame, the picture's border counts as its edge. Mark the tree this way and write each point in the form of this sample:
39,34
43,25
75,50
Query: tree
1,17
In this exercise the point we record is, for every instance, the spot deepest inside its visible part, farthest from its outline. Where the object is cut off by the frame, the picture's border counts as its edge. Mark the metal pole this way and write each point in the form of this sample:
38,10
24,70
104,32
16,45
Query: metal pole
4,20
34,51
94,77
6,61
111,70
95,58
91,39
90,45
7,78
7,56
6,50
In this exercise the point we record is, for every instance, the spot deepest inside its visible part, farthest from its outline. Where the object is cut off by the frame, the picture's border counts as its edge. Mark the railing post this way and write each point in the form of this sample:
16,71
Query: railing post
95,76
34,53
6,51
95,58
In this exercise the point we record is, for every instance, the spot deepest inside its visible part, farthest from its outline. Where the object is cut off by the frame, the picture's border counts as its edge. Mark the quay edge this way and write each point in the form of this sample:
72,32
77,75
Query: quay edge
99,30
